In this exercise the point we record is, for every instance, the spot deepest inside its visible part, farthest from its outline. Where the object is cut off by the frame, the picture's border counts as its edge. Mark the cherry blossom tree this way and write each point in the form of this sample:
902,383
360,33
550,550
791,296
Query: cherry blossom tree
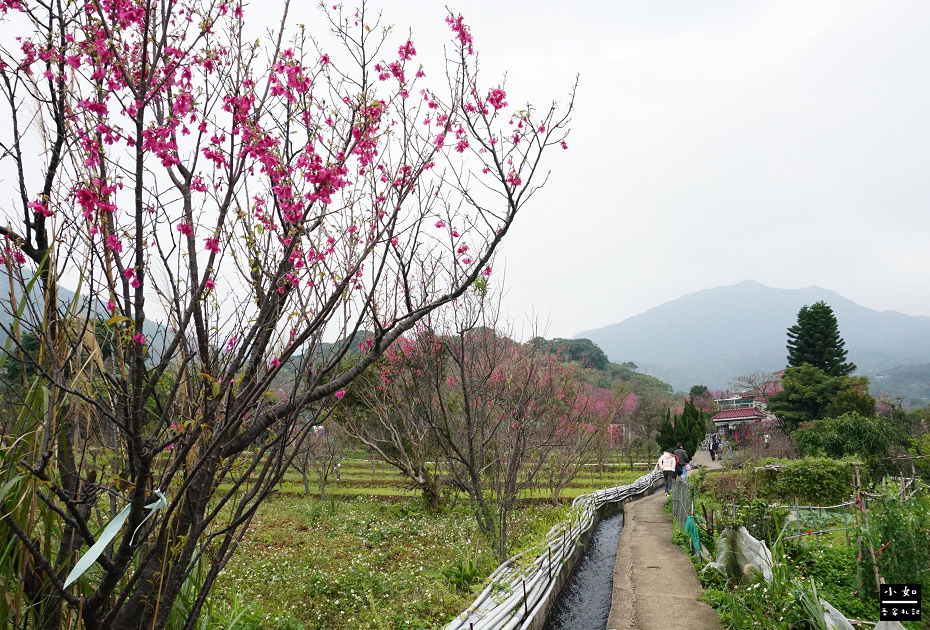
583,432
391,414
757,385
220,204
492,405
318,453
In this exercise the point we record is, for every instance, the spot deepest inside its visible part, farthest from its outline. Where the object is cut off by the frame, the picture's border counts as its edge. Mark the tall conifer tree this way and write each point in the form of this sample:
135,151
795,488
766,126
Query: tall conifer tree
687,429
816,340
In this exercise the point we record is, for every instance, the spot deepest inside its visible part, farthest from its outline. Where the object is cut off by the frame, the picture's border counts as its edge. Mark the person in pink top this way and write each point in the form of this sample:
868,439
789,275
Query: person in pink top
667,465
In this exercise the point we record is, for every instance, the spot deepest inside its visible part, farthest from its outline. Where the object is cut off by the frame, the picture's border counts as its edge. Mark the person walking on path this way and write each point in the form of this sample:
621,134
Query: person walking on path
667,466
683,459
713,448
702,459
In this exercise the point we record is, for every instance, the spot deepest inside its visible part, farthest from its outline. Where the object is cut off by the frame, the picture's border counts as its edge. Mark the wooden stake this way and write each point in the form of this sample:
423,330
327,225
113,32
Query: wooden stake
865,525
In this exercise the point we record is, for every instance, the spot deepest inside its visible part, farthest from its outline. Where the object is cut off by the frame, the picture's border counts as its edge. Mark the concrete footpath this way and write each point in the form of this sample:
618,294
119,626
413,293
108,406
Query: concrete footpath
702,458
655,585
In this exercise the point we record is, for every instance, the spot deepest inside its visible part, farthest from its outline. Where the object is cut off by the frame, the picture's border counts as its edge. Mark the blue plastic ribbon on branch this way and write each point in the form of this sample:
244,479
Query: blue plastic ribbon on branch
108,534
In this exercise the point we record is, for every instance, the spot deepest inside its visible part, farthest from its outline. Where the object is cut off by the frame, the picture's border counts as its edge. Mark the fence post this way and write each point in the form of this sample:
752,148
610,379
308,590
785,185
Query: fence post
845,524
865,524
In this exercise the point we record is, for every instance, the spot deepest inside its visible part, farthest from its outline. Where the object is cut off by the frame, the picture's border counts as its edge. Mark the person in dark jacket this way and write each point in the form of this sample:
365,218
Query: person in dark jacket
683,459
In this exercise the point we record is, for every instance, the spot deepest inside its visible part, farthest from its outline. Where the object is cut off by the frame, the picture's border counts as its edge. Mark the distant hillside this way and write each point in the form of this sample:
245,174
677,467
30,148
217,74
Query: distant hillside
712,336
155,333
910,383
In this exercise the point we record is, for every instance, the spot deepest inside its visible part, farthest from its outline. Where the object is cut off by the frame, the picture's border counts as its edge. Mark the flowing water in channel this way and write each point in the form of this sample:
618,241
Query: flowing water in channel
584,602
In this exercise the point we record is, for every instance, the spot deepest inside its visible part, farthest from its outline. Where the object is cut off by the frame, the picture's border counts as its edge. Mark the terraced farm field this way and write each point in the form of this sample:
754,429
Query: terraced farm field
362,477
370,555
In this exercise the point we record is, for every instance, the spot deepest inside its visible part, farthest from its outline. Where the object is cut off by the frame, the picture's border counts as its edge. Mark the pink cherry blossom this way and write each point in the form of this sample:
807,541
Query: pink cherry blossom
340,393
496,98
114,243
212,245
139,338
458,26
41,207
407,51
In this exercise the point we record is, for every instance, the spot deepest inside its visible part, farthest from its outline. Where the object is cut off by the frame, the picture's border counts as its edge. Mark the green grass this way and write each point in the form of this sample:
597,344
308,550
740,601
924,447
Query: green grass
362,563
371,556
362,478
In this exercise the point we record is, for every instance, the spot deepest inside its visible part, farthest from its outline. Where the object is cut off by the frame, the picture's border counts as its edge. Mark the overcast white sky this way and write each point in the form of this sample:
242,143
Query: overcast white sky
714,142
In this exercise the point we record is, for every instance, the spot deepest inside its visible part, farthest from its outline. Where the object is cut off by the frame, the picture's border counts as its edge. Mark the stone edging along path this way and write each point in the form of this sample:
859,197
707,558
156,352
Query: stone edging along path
519,593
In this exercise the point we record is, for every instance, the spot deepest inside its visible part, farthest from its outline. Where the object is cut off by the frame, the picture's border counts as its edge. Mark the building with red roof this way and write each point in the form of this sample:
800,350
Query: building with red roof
729,419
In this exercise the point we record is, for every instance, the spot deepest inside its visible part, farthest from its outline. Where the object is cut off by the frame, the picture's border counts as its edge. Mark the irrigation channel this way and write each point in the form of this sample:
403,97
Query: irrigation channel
521,591
585,599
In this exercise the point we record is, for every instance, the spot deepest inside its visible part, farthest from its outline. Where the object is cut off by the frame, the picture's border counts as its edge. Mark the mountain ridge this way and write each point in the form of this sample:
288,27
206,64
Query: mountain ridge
714,335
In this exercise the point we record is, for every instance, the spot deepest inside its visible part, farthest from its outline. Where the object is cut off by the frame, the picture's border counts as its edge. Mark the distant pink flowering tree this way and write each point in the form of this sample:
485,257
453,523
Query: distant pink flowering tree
391,409
584,432
319,453
757,385
489,409
220,204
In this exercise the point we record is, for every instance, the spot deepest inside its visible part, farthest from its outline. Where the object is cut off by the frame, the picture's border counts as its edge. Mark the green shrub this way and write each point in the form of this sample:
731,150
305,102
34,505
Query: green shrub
727,487
813,480
852,435
762,520
681,538
899,529
462,574
921,446
696,480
